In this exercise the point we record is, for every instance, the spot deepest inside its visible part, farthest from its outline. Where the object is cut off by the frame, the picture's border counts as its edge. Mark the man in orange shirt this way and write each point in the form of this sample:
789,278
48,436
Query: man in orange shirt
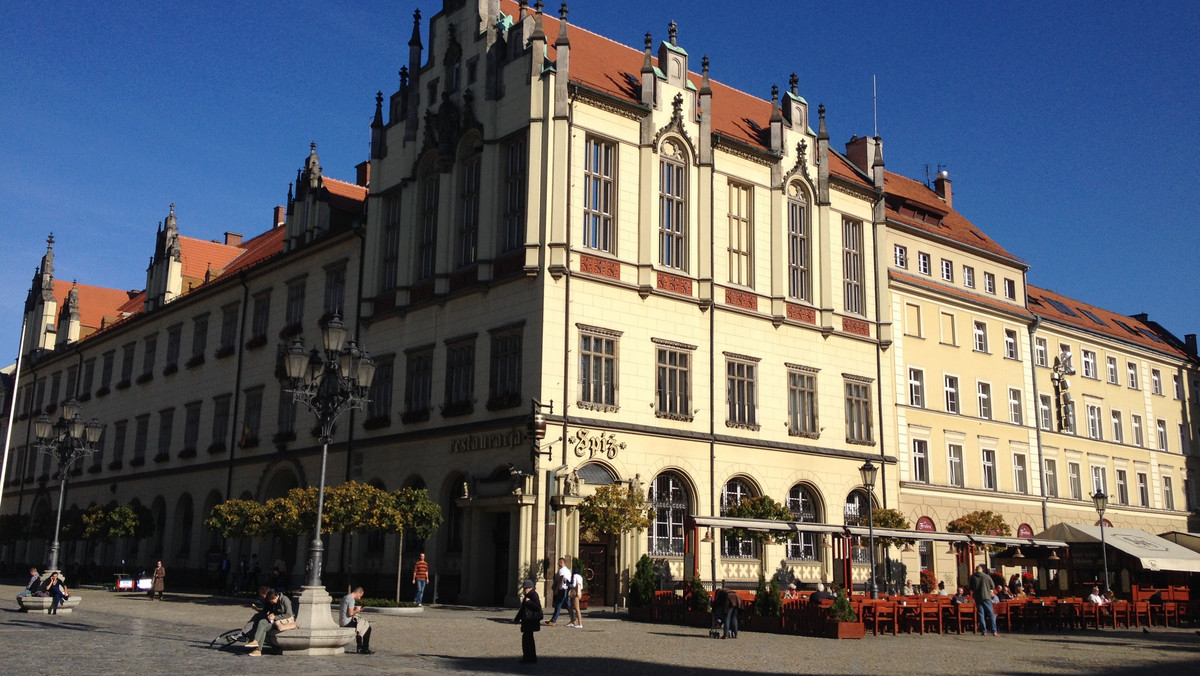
420,577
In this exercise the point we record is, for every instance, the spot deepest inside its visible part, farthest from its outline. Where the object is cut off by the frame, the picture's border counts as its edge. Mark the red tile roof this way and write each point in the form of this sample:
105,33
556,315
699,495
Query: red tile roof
948,223
344,196
95,303
198,255
1060,308
257,249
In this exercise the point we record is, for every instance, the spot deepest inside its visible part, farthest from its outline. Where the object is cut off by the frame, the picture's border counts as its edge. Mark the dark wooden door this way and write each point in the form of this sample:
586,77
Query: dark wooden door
595,572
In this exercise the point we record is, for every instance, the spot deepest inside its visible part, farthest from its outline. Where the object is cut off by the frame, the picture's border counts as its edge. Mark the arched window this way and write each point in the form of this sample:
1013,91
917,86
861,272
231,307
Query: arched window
802,503
669,503
672,206
857,504
734,491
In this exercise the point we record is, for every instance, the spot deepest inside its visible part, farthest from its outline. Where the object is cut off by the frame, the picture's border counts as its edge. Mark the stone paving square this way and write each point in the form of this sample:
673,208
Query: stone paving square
122,633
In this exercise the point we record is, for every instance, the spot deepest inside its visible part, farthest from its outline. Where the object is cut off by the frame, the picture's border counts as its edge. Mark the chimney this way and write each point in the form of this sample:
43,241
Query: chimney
1190,340
233,239
363,175
280,217
861,153
941,185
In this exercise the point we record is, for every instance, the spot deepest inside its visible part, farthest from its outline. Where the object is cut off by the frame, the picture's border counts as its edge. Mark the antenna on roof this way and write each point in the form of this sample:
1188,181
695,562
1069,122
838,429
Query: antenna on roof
875,103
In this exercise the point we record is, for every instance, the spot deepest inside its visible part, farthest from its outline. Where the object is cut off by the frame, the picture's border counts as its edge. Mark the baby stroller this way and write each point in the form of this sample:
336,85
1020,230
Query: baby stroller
717,624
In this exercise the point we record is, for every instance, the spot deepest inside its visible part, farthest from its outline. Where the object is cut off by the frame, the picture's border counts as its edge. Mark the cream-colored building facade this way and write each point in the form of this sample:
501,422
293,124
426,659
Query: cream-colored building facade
705,299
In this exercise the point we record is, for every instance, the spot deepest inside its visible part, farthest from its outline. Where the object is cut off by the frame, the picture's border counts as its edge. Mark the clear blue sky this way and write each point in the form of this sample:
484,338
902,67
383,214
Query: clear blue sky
1068,128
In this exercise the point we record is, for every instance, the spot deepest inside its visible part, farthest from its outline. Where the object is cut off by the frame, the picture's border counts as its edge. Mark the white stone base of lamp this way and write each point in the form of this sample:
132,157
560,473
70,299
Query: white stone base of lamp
317,633
41,604
413,610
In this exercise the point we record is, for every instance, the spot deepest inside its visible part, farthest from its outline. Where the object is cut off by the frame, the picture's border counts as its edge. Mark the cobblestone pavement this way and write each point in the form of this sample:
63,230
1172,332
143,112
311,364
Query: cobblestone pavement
119,633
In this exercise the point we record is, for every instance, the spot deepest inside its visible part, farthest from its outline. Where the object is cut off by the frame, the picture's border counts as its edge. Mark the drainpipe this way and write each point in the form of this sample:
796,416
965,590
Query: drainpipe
237,384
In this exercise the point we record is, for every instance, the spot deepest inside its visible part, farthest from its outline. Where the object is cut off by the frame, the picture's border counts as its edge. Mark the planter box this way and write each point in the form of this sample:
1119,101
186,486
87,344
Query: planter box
41,604
846,630
641,613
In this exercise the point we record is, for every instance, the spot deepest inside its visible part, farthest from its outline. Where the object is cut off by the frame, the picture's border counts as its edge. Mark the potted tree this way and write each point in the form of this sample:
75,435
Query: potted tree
844,622
699,604
641,590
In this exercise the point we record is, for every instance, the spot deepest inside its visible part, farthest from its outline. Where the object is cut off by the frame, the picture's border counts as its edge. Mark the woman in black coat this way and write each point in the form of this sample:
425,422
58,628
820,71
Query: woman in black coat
530,617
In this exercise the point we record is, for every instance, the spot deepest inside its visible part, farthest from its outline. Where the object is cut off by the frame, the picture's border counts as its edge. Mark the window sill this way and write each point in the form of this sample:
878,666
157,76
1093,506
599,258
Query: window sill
742,426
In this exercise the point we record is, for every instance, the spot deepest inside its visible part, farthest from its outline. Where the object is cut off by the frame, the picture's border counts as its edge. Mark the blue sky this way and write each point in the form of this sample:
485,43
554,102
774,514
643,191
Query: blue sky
1067,127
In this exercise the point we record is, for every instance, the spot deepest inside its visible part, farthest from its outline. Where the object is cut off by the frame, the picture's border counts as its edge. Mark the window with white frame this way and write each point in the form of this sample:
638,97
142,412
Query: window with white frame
858,411
1118,433
1161,426
1050,477
981,341
920,460
799,284
1113,376
672,207
1020,474
1143,490
1010,344
954,456
947,270
732,546
852,265
1177,386
1039,351
950,386
1156,381
916,388
1075,480
598,368
1014,405
924,263
1089,364
1099,480
741,390
802,402
968,276
1132,370
1168,490
599,171
1095,429
741,235
1010,289
668,509
802,503
1135,424
1122,488
1044,411
900,254
989,469
984,392
989,282
673,391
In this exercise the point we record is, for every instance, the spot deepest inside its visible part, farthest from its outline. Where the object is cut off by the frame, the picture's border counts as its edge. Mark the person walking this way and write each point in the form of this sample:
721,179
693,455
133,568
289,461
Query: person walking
983,590
159,583
530,617
420,577
574,596
348,617
562,580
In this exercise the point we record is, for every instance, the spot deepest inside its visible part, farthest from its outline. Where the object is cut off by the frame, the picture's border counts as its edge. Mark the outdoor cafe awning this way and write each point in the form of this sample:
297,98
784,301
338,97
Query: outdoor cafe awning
763,524
862,531
1153,552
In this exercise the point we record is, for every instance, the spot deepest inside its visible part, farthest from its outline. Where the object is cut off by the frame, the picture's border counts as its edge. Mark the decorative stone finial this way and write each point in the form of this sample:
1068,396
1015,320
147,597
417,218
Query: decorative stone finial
562,12
794,83
672,31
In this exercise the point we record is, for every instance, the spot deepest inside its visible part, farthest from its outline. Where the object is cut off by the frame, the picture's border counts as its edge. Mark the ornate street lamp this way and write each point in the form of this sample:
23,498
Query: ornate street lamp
67,439
868,472
1101,501
329,382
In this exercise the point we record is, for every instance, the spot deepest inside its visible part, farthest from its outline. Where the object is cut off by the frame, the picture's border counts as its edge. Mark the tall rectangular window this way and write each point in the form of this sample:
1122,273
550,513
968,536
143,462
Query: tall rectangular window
1122,488
741,392
1010,289
120,434
1118,433
1156,381
1010,344
295,305
418,384
1020,474
741,235
150,347
335,289
598,370
1044,411
220,426
251,418
516,171
174,339
1113,377
460,377
262,316
141,435
981,341
802,403
1089,364
673,383
989,469
191,428
1014,406
949,333
1039,351
916,388
599,166
468,215
166,426
951,389
1168,490
1161,427
379,409
1177,386
954,455
900,256
1094,428
989,282
858,412
1143,487
920,460
389,255
1099,480
1075,481
427,234
672,210
924,263
89,374
126,369
968,276
229,328
1051,478
947,271
1133,375
984,391
852,265
1135,424
799,284
504,380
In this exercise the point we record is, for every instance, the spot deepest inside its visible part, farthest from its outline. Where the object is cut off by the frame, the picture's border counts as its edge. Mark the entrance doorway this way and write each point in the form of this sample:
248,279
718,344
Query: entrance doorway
595,572
501,580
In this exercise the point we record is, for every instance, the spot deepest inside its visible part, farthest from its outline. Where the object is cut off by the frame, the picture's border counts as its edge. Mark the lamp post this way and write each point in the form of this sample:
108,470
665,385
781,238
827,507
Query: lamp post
67,439
868,473
1101,501
328,382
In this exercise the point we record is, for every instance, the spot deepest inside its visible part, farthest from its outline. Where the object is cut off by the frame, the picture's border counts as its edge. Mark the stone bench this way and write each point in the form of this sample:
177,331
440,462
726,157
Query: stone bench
41,604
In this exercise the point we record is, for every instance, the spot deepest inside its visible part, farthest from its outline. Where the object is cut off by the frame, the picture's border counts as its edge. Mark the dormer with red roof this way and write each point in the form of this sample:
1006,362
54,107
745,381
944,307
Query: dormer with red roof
321,205
69,319
164,276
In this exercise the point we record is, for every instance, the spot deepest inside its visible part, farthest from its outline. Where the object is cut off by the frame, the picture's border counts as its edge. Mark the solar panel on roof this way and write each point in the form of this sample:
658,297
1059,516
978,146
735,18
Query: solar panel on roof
1092,317
1061,308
